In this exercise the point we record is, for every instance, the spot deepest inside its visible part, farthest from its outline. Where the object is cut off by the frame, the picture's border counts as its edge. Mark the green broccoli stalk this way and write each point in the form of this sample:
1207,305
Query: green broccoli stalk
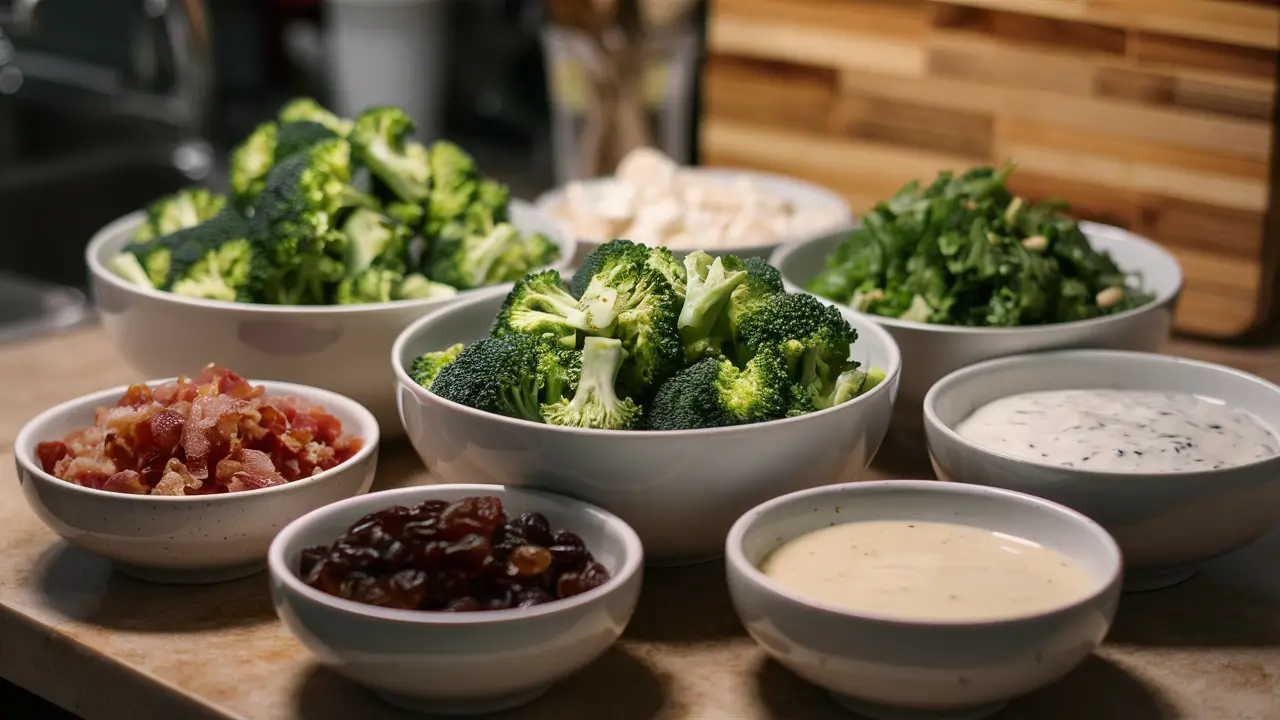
714,392
541,304
596,404
510,375
305,109
417,287
250,162
128,267
154,258
295,137
186,208
424,369
709,286
381,139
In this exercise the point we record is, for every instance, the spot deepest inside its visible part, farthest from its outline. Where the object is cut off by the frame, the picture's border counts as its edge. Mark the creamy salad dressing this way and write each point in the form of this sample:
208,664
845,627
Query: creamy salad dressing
1121,430
927,571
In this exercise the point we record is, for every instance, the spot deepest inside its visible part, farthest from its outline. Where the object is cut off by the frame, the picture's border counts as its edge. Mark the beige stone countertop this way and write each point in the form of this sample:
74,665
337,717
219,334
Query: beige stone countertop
108,647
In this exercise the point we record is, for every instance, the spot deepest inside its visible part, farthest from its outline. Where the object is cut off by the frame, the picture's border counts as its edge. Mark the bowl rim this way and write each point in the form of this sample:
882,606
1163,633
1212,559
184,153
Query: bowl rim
564,239
1089,228
632,561
25,442
957,378
550,199
891,378
737,561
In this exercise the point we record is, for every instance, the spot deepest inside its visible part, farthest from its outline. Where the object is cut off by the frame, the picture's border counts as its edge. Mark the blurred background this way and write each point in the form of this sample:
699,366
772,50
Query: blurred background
1145,116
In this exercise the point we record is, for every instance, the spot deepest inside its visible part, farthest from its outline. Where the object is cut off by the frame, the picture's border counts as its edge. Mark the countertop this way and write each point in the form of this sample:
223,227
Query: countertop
107,647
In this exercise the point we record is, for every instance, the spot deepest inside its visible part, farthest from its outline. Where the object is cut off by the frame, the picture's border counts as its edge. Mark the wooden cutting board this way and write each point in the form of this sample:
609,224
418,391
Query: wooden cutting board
1155,115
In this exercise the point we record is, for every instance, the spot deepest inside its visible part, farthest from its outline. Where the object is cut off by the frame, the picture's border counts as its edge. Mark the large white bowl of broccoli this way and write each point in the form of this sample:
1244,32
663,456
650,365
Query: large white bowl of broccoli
676,393
963,270
337,233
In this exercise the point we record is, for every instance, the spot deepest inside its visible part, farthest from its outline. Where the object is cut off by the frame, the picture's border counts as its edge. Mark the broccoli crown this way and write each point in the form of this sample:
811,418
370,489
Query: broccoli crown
762,282
714,392
504,375
153,258
372,285
466,260
539,303
710,284
250,162
308,110
374,240
186,208
424,369
606,257
664,261
381,140
595,402
415,286
408,214
294,137
647,309
533,251
455,182
813,337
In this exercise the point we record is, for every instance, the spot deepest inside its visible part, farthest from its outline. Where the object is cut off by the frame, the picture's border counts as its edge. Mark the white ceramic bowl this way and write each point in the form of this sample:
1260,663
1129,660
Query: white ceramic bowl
459,663
1166,523
339,348
890,668
931,351
185,540
804,196
680,490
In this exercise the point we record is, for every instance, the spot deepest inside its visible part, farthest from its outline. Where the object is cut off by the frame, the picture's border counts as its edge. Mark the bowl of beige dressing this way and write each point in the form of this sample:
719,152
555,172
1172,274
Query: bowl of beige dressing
920,599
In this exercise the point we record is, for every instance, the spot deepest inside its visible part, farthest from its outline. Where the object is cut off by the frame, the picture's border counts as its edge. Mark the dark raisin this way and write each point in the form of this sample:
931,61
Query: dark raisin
310,557
575,583
396,555
468,554
407,589
474,515
372,591
422,530
429,508
528,597
536,529
463,604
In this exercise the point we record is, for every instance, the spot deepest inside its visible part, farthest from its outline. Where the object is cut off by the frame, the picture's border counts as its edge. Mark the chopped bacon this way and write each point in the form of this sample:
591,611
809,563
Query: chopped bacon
215,433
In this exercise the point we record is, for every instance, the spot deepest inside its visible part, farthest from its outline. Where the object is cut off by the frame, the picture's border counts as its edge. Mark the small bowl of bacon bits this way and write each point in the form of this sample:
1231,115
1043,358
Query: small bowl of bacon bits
187,480
457,599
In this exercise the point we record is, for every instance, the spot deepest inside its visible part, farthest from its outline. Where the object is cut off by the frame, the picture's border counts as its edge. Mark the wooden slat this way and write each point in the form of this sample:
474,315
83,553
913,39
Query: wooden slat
820,46
918,125
770,93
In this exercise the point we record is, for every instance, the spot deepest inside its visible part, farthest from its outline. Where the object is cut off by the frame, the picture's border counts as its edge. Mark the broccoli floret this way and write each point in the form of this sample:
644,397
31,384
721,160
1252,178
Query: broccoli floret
153,257
454,184
604,258
215,260
425,369
251,161
374,240
183,209
308,110
372,285
294,137
382,142
297,219
647,310
468,261
596,403
511,375
813,337
127,266
541,304
407,214
763,281
666,263
709,286
417,287
532,252
715,393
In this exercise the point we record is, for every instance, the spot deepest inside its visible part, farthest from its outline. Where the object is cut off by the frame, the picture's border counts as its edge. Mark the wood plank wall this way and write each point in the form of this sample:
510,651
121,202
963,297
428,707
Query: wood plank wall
1155,115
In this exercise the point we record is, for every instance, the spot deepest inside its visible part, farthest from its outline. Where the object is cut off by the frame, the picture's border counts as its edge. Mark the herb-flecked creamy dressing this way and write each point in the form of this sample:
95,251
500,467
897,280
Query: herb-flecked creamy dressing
1121,430
927,571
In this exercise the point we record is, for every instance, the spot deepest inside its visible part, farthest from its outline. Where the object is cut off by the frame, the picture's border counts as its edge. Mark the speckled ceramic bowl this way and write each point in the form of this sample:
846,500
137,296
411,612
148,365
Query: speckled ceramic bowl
342,348
185,540
459,663
891,668
1166,523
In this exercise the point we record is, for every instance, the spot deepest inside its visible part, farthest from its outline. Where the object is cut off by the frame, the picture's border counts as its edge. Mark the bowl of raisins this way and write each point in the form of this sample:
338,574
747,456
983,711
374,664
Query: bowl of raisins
457,599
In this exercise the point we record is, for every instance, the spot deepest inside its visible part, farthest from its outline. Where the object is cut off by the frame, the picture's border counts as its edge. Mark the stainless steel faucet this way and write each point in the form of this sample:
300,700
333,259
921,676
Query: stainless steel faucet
185,27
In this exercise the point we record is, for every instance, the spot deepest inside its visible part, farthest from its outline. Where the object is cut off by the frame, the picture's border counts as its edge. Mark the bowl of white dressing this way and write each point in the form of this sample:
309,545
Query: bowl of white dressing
1178,459
919,599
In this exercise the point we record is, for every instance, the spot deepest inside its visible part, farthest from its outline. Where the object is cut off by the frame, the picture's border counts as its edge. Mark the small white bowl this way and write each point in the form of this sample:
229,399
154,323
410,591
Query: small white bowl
185,539
931,351
804,196
889,668
337,347
1166,523
680,489
459,663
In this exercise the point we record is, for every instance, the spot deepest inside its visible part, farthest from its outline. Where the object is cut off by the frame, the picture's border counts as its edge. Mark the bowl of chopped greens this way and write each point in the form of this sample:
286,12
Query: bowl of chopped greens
963,270
675,393
336,234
